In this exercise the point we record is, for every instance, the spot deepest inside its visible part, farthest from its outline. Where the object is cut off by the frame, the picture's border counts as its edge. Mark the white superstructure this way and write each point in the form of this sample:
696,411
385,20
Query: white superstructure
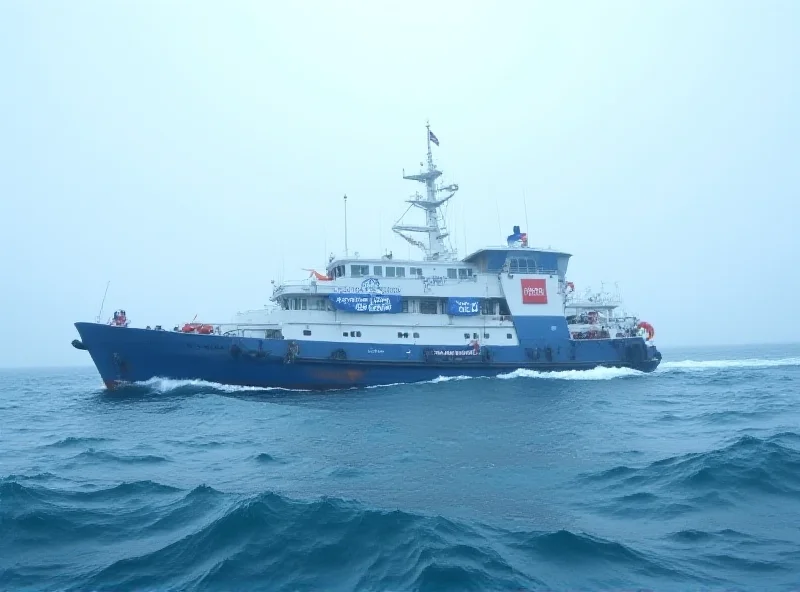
436,300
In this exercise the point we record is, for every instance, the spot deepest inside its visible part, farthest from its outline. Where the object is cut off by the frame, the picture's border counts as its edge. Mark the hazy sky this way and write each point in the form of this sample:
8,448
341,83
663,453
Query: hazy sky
190,152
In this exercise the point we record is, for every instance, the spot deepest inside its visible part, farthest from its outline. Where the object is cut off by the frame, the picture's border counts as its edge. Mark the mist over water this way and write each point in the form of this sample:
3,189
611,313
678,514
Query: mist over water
685,478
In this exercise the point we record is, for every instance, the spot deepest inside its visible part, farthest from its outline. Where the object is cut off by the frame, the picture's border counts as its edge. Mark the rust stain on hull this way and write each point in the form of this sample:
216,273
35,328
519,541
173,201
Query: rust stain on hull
346,376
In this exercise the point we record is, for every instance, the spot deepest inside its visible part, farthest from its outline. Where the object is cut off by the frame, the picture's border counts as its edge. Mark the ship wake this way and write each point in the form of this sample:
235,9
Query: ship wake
162,385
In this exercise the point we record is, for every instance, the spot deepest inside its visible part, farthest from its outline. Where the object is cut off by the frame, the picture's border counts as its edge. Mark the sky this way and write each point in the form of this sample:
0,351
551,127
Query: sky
191,152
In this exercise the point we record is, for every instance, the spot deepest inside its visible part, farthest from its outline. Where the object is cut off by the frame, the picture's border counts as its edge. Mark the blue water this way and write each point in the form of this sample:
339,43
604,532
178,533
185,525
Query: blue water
685,479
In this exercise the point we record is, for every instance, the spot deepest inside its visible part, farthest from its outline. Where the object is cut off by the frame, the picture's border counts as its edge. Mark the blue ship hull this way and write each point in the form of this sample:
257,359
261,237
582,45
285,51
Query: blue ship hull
127,355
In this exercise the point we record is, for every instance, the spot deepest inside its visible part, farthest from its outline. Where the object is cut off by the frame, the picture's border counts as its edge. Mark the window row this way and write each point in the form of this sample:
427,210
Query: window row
360,270
404,334
486,336
489,306
523,265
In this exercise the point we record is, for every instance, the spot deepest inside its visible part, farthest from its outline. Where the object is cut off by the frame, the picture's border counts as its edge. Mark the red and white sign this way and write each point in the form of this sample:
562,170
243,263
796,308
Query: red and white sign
534,291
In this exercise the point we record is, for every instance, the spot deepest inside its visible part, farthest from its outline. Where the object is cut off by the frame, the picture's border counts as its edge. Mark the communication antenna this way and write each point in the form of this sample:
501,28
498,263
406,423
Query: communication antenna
346,253
100,314
525,203
497,208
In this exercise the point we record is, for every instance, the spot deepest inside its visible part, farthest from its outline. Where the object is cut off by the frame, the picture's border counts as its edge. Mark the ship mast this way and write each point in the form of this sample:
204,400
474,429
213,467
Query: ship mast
435,227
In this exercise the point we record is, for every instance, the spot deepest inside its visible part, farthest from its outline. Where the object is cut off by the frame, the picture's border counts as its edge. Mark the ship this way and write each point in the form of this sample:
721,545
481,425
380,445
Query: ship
366,322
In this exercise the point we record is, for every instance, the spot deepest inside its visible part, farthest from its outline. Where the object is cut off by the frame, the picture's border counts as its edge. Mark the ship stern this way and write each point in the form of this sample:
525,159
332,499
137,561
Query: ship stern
651,360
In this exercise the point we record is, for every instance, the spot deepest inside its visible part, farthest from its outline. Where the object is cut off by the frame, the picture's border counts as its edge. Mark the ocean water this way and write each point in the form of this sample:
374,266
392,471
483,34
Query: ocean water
684,479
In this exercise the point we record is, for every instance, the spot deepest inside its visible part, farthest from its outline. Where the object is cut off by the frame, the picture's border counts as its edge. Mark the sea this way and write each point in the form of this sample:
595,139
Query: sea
684,479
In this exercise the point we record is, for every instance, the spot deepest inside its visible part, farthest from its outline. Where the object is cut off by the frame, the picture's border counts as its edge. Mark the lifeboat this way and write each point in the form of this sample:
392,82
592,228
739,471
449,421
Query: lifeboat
197,328
648,328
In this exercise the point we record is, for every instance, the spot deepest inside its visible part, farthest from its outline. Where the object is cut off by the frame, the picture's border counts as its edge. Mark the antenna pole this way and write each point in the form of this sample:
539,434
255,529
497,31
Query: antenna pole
100,314
525,203
428,137
346,252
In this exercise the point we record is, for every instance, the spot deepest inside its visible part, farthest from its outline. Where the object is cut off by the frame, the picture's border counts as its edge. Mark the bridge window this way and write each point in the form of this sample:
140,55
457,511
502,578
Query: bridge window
378,270
452,273
416,335
359,270
508,336
306,332
523,265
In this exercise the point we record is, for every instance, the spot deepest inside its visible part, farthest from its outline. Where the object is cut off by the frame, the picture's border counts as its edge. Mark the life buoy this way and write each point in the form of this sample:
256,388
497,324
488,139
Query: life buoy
648,328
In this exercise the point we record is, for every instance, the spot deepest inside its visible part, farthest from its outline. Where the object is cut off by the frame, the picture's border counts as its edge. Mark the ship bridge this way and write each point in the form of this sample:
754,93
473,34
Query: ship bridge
519,260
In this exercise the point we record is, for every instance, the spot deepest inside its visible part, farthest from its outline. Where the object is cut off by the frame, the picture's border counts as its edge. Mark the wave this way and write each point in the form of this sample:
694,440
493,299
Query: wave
164,385
700,365
209,539
748,466
176,386
593,374
74,441
104,456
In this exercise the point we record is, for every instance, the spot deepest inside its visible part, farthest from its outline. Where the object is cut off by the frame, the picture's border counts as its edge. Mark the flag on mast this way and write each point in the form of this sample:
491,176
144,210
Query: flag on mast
432,137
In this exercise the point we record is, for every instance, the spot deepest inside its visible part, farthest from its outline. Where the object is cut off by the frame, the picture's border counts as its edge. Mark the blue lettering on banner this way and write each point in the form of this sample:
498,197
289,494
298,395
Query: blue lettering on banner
462,307
367,302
